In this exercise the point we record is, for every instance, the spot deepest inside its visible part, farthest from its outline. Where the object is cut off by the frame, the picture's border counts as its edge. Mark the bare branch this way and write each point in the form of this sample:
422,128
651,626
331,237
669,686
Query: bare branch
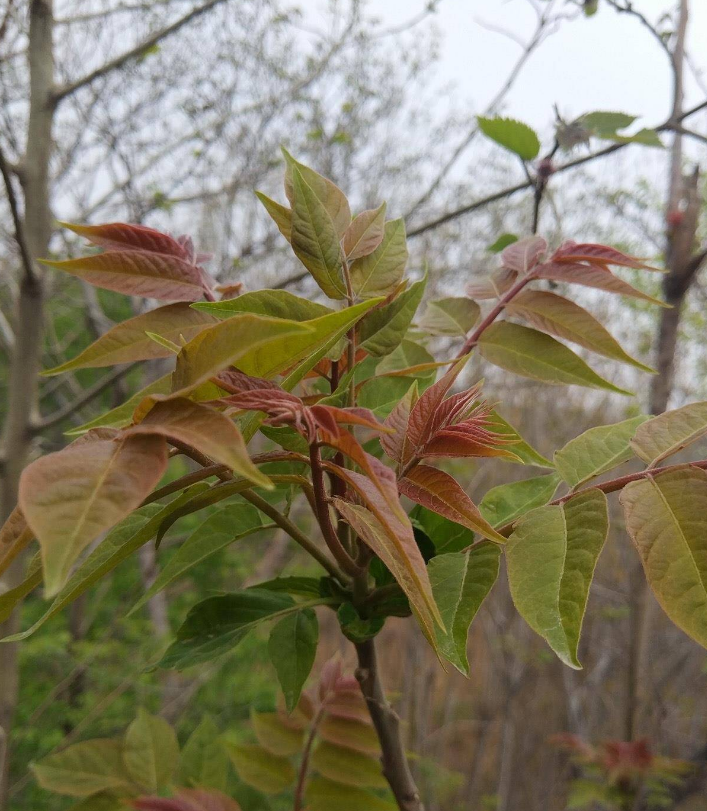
134,53
20,237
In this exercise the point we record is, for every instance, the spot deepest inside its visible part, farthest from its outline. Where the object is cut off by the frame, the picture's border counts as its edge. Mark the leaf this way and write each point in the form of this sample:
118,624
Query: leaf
502,242
72,496
324,795
281,215
646,137
506,503
596,451
355,627
513,135
275,735
124,539
128,342
315,240
219,530
121,235
229,343
365,233
460,583
666,518
349,733
328,193
446,536
292,647
204,429
261,769
203,761
10,598
151,751
394,443
551,557
15,536
84,769
188,800
599,278
606,123
668,433
563,318
381,271
438,491
450,316
347,766
521,449
216,625
533,354
383,329
137,273
274,303
524,254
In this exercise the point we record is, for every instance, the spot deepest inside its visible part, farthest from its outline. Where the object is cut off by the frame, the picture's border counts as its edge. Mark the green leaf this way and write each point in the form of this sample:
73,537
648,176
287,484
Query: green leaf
300,586
124,539
382,394
216,625
328,193
527,454
10,598
450,316
502,242
261,769
504,504
325,795
551,557
597,451
646,137
273,734
128,341
281,215
219,530
203,762
315,240
151,751
460,583
273,303
666,517
564,319
446,535
381,271
343,765
356,628
350,733
513,135
382,330
84,769
668,433
606,123
533,354
292,647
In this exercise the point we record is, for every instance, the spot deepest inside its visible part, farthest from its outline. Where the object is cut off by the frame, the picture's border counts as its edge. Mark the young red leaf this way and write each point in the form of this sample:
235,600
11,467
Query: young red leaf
524,254
70,497
488,287
188,800
598,277
15,535
439,492
397,422
127,236
365,233
570,252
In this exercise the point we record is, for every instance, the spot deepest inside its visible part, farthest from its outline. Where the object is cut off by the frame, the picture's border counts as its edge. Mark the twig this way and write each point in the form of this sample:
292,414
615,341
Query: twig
20,237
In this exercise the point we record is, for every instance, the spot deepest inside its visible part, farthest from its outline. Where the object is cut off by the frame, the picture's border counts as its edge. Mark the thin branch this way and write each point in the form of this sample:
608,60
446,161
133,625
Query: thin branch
20,237
134,53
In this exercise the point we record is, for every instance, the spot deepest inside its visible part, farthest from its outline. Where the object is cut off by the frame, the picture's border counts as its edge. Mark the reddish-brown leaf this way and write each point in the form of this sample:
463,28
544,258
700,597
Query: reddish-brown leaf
397,421
595,276
127,236
439,492
523,255
594,254
488,287
188,800
15,535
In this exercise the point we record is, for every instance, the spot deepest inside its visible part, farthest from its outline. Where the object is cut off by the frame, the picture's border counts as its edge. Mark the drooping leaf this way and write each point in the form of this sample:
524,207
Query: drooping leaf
504,504
261,769
84,769
324,795
314,238
281,215
203,761
450,316
151,751
597,451
273,303
551,557
379,272
128,536
524,254
219,530
72,496
365,233
668,433
595,277
204,429
383,329
292,647
127,342
273,734
137,273
347,766
666,517
513,135
438,491
534,354
564,319
460,583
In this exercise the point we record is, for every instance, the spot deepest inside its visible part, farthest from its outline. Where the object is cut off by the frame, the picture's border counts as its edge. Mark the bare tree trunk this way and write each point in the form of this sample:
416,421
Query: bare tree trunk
23,386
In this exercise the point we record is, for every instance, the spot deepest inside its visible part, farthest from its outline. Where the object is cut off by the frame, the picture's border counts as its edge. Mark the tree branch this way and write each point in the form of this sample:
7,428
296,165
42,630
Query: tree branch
134,53
20,238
